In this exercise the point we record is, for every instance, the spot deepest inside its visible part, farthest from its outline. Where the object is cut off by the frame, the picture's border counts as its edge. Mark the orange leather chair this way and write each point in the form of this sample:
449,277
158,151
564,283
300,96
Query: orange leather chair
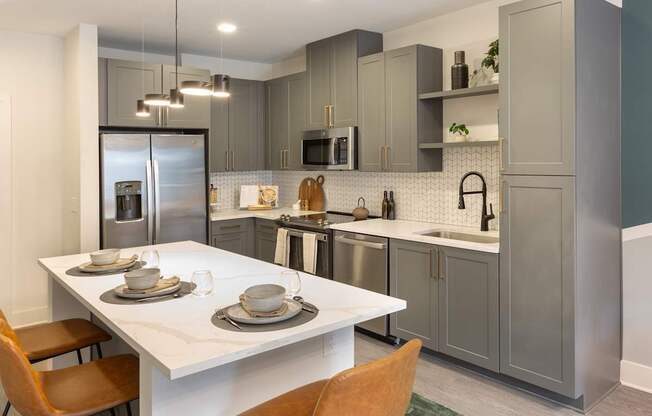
81,390
379,388
43,341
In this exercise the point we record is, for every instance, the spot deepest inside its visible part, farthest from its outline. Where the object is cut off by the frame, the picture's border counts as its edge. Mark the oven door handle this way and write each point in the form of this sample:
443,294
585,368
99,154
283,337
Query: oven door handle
352,242
296,233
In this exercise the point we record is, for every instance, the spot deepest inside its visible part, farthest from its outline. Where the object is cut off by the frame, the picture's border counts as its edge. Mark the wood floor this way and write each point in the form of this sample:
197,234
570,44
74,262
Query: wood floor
472,394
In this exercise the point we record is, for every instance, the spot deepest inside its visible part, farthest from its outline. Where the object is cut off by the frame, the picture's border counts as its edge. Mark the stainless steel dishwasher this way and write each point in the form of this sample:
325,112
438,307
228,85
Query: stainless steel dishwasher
361,260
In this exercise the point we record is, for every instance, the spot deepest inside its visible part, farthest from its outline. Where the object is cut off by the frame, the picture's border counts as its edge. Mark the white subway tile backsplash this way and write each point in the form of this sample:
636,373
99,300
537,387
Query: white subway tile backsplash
431,196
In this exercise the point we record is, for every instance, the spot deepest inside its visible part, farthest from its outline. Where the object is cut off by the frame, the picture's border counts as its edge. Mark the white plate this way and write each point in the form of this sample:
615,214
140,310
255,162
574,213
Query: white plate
120,292
239,315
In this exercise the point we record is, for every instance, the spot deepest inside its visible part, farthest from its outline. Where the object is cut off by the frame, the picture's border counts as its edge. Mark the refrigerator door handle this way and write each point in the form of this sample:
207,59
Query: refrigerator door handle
157,201
150,203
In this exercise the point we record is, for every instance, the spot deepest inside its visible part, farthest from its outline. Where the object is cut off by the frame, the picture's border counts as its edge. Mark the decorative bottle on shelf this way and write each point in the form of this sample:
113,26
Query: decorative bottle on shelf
391,207
385,206
459,72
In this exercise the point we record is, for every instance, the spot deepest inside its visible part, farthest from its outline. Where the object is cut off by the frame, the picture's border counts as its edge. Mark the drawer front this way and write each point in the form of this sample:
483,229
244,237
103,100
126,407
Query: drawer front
232,226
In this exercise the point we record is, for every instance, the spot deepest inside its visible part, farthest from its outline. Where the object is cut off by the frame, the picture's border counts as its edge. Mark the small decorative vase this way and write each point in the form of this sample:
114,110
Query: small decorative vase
495,78
459,72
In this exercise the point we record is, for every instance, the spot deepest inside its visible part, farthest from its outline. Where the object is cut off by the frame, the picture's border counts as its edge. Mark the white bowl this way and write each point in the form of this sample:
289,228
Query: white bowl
142,278
264,298
105,257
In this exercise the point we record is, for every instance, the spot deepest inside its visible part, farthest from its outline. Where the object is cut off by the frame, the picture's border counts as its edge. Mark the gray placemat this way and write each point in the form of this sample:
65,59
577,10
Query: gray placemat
110,297
300,319
75,271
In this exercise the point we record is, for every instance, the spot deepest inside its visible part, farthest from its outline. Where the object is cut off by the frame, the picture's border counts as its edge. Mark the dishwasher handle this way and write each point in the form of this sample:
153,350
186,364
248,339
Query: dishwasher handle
362,243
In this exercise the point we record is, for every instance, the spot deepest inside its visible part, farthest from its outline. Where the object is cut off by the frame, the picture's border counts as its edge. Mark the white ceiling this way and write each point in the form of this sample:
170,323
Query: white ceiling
268,30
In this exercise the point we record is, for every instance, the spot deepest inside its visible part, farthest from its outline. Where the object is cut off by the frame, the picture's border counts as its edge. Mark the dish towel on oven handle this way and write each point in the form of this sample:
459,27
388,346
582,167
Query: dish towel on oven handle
282,253
310,253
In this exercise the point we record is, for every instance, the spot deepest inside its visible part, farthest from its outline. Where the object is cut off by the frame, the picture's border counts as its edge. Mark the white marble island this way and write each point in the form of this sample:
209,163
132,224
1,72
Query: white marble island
189,366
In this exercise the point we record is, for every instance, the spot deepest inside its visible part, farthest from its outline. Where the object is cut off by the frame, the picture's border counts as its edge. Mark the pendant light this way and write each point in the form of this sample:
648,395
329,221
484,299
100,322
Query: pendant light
176,97
157,100
142,109
221,82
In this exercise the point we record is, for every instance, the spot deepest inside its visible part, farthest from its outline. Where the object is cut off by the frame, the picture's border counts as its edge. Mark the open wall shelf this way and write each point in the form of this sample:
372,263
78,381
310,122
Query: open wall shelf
464,92
424,146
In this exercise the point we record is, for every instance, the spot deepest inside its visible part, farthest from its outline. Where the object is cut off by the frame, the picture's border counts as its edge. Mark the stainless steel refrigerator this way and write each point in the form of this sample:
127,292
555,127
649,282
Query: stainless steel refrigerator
153,189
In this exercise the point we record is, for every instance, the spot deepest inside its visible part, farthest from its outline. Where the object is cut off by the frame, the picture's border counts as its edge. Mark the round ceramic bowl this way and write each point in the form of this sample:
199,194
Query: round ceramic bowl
142,278
264,298
105,257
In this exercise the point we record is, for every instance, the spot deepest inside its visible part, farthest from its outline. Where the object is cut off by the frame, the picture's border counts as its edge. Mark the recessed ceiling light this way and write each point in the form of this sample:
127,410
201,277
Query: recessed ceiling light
226,27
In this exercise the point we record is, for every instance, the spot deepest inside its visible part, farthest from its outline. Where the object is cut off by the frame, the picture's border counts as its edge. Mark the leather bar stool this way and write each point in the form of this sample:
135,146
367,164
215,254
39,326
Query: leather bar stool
80,390
43,341
380,388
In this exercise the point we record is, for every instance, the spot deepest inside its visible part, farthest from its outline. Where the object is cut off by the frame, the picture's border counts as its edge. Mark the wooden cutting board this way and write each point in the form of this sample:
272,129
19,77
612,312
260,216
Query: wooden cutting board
312,191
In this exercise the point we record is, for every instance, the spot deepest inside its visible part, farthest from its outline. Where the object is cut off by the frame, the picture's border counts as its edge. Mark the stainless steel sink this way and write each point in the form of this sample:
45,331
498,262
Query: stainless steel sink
453,235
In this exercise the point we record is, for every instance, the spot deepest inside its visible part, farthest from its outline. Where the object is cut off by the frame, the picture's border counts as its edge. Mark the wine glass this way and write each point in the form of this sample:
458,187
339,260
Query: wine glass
292,282
203,280
151,258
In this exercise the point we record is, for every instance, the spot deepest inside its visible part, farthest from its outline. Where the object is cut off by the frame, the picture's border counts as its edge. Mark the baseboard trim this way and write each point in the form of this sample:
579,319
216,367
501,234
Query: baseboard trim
637,376
30,316
638,231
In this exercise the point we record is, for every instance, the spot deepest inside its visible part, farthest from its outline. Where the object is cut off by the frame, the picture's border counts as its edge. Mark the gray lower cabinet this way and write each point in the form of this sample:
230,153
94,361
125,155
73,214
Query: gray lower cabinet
285,107
236,236
126,83
413,277
468,306
196,111
237,138
332,77
393,120
266,231
452,300
537,281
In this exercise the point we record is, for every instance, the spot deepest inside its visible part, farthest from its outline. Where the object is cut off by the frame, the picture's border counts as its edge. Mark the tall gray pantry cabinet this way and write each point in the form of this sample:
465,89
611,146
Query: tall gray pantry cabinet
560,261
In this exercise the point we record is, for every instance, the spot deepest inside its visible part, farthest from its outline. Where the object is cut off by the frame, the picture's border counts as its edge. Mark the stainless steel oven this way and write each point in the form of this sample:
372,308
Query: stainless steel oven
295,236
330,149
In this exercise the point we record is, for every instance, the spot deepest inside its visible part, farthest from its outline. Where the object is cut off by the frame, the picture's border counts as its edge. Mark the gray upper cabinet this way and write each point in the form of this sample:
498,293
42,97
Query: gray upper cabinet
196,110
332,78
286,113
128,82
413,277
123,83
393,121
537,91
537,281
468,306
237,136
371,112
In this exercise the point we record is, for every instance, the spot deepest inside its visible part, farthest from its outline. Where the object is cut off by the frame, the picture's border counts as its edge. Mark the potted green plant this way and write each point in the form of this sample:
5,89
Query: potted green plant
491,61
458,132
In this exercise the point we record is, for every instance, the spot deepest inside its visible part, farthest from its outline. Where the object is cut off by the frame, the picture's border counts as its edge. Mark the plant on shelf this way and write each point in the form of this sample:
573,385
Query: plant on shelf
491,60
460,130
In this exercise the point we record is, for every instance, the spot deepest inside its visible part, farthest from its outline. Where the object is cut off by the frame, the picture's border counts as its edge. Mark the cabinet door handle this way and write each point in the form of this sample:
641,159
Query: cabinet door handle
281,155
381,149
501,165
388,149
226,156
331,118
503,197
327,115
434,263
232,160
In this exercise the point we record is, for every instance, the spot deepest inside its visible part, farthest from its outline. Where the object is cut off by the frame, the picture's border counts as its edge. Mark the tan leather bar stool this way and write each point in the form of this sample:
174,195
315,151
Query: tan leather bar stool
81,390
379,388
43,341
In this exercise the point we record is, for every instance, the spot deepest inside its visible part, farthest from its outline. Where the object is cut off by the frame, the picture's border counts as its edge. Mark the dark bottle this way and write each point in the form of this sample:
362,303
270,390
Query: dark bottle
391,208
385,206
459,72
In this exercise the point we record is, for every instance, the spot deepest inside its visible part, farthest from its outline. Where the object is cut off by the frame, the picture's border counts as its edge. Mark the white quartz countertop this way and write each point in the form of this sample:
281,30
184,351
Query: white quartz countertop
270,214
178,334
412,230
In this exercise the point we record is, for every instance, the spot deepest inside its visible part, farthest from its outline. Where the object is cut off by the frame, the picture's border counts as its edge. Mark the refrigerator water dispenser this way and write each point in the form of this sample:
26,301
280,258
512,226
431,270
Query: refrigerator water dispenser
128,201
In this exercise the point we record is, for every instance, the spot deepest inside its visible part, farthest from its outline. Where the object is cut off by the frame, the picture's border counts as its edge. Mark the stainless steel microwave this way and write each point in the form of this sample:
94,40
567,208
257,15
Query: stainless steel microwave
330,149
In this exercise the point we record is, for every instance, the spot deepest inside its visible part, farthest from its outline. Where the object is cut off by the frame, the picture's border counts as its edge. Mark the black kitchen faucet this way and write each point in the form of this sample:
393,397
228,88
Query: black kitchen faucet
484,222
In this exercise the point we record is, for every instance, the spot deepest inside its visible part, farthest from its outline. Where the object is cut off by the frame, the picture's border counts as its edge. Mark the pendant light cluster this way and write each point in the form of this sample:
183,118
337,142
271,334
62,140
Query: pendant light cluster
218,87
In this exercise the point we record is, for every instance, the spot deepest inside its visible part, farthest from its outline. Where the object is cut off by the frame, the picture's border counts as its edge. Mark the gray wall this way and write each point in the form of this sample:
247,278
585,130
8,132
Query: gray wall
636,112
